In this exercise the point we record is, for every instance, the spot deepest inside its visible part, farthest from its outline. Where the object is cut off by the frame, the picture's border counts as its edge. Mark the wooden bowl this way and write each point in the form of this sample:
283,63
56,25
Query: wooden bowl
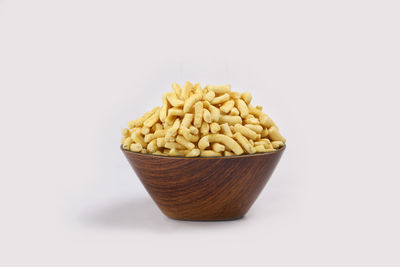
204,189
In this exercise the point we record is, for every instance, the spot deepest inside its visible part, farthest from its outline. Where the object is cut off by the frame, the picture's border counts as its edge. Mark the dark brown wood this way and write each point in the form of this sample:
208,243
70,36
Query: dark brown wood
204,189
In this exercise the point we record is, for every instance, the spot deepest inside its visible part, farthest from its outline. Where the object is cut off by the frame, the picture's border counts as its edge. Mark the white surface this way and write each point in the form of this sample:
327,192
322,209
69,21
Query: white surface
72,73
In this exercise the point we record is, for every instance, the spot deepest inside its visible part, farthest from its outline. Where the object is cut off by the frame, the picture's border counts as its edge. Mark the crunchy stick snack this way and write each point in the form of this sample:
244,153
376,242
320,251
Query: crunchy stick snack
203,122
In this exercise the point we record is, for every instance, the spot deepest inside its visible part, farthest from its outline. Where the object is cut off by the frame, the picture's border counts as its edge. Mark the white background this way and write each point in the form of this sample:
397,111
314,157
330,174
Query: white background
72,73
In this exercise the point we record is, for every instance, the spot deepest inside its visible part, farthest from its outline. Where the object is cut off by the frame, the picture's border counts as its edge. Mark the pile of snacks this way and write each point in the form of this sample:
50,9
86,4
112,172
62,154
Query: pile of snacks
209,122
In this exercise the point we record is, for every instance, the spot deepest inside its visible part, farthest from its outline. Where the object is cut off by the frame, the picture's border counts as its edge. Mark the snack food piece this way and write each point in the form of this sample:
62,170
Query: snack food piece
203,122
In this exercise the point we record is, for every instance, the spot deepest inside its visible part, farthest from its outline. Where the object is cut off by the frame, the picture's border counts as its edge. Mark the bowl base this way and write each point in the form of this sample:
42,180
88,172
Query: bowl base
207,220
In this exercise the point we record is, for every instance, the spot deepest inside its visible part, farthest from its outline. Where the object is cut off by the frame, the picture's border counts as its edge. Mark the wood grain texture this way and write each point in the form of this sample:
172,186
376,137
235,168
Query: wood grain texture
204,189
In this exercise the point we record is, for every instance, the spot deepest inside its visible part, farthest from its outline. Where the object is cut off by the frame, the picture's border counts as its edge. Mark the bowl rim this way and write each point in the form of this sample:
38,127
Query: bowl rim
194,158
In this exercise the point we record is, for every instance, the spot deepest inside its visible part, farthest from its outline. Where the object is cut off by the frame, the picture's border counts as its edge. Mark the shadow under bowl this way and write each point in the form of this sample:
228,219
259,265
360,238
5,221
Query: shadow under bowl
204,189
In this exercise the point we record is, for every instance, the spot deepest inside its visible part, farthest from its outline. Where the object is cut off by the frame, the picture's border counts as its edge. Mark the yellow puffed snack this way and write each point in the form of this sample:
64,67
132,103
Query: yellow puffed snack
136,147
277,144
228,153
231,120
256,128
190,102
253,121
264,132
220,99
190,137
213,121
214,127
173,99
198,114
227,106
234,112
169,135
246,96
152,119
152,146
187,120
227,141
247,132
139,122
219,89
194,130
242,107
127,143
161,142
173,145
209,153
145,130
193,153
164,108
181,140
215,112
138,138
245,143
205,128
207,116
226,130
187,88
260,149
125,132
209,96
275,135
177,153
218,147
